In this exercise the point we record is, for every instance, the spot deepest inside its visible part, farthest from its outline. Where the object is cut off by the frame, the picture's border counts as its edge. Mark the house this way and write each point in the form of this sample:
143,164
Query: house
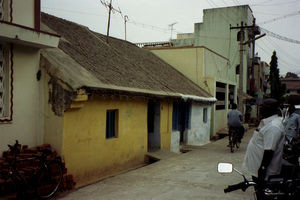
21,101
292,85
111,102
208,69
215,43
216,33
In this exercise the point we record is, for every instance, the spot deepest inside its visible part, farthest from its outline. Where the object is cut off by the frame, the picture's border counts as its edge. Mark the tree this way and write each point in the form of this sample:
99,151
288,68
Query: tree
277,89
291,75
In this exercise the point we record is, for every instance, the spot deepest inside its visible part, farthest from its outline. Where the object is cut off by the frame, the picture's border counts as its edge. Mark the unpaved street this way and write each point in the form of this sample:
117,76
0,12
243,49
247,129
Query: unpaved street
192,175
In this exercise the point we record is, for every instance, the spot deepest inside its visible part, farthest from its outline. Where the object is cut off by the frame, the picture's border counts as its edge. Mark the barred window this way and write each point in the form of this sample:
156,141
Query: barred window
4,81
1,10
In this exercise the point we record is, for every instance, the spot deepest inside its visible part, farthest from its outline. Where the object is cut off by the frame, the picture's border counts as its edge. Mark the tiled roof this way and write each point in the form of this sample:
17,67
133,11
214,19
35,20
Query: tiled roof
84,59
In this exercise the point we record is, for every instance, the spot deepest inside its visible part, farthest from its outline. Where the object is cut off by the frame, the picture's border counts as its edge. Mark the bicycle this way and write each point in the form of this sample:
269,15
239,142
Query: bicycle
45,179
233,139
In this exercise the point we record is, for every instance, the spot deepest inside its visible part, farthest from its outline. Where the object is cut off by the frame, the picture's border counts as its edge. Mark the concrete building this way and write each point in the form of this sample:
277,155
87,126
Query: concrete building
211,56
259,78
21,92
210,71
216,33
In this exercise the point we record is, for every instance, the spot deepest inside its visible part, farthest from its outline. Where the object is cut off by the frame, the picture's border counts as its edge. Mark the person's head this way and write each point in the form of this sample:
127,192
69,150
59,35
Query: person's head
234,106
269,107
291,109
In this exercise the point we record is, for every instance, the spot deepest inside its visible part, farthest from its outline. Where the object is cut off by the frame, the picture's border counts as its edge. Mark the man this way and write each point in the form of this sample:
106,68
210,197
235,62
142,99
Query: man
264,152
292,124
234,121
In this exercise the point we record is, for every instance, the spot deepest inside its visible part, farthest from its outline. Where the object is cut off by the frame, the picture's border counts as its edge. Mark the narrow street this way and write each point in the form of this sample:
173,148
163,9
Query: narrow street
192,175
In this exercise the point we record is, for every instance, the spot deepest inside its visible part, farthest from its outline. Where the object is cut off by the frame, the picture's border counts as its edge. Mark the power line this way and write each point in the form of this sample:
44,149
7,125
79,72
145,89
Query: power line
279,18
275,35
275,4
274,43
281,62
72,11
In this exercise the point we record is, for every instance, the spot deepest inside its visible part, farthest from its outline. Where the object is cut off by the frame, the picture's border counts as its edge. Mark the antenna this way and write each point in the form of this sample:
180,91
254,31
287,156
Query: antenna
171,28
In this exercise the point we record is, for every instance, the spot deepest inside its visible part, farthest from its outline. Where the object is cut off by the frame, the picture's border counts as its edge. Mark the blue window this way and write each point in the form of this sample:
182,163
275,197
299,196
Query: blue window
111,123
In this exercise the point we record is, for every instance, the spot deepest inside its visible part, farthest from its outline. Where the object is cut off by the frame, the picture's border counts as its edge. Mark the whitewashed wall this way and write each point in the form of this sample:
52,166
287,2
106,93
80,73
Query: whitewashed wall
199,132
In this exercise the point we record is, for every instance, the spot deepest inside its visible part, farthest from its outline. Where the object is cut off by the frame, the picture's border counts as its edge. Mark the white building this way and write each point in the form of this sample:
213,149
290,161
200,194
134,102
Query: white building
21,91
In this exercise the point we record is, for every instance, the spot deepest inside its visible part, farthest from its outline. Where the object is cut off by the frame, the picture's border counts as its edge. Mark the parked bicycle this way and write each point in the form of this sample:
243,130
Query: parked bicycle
45,180
233,139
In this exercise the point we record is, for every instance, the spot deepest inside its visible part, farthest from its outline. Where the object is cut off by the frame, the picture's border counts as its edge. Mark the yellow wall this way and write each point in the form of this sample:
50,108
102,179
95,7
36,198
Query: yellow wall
188,61
89,156
166,109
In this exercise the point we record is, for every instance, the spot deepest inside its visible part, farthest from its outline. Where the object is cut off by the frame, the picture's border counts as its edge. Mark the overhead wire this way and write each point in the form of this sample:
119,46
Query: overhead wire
280,18
281,62
275,4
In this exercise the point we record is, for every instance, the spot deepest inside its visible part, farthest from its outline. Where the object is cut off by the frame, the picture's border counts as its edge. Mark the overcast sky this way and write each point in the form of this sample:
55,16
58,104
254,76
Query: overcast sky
149,20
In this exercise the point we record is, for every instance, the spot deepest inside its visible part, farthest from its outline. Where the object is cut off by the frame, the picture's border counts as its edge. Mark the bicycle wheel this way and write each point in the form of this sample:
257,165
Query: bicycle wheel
49,180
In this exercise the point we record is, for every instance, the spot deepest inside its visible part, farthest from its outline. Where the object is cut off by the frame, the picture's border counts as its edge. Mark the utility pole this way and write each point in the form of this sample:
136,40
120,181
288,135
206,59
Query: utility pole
241,38
171,27
108,23
125,21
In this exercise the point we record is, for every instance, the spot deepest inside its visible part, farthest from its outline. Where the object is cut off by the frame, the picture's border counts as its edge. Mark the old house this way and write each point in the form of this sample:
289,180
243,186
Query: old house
111,102
210,71
210,57
292,85
21,94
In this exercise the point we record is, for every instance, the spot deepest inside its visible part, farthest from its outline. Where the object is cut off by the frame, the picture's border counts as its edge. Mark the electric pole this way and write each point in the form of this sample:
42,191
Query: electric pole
108,23
241,38
125,21
110,8
171,27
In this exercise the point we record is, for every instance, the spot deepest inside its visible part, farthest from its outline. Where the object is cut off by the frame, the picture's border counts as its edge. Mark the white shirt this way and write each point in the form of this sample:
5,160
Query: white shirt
269,137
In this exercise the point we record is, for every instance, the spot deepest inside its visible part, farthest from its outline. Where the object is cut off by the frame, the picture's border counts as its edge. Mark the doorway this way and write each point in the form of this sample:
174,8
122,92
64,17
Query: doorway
153,123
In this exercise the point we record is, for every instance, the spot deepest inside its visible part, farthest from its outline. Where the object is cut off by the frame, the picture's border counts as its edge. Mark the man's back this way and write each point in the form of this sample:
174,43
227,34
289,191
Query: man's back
234,118
269,137
292,126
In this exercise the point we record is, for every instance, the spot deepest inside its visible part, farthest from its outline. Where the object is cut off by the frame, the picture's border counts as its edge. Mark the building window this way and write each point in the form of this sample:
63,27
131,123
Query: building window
1,10
205,115
237,69
112,117
4,84
220,95
231,95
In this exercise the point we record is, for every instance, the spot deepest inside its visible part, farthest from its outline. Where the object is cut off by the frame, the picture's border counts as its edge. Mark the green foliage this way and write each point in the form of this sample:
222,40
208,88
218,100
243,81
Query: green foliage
291,75
277,89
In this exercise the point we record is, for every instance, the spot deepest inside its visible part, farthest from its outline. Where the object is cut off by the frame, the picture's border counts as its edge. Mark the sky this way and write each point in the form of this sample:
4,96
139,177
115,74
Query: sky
149,21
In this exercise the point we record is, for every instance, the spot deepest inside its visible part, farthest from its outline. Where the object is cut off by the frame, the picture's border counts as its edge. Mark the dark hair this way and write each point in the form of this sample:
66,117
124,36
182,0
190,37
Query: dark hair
269,107
234,106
